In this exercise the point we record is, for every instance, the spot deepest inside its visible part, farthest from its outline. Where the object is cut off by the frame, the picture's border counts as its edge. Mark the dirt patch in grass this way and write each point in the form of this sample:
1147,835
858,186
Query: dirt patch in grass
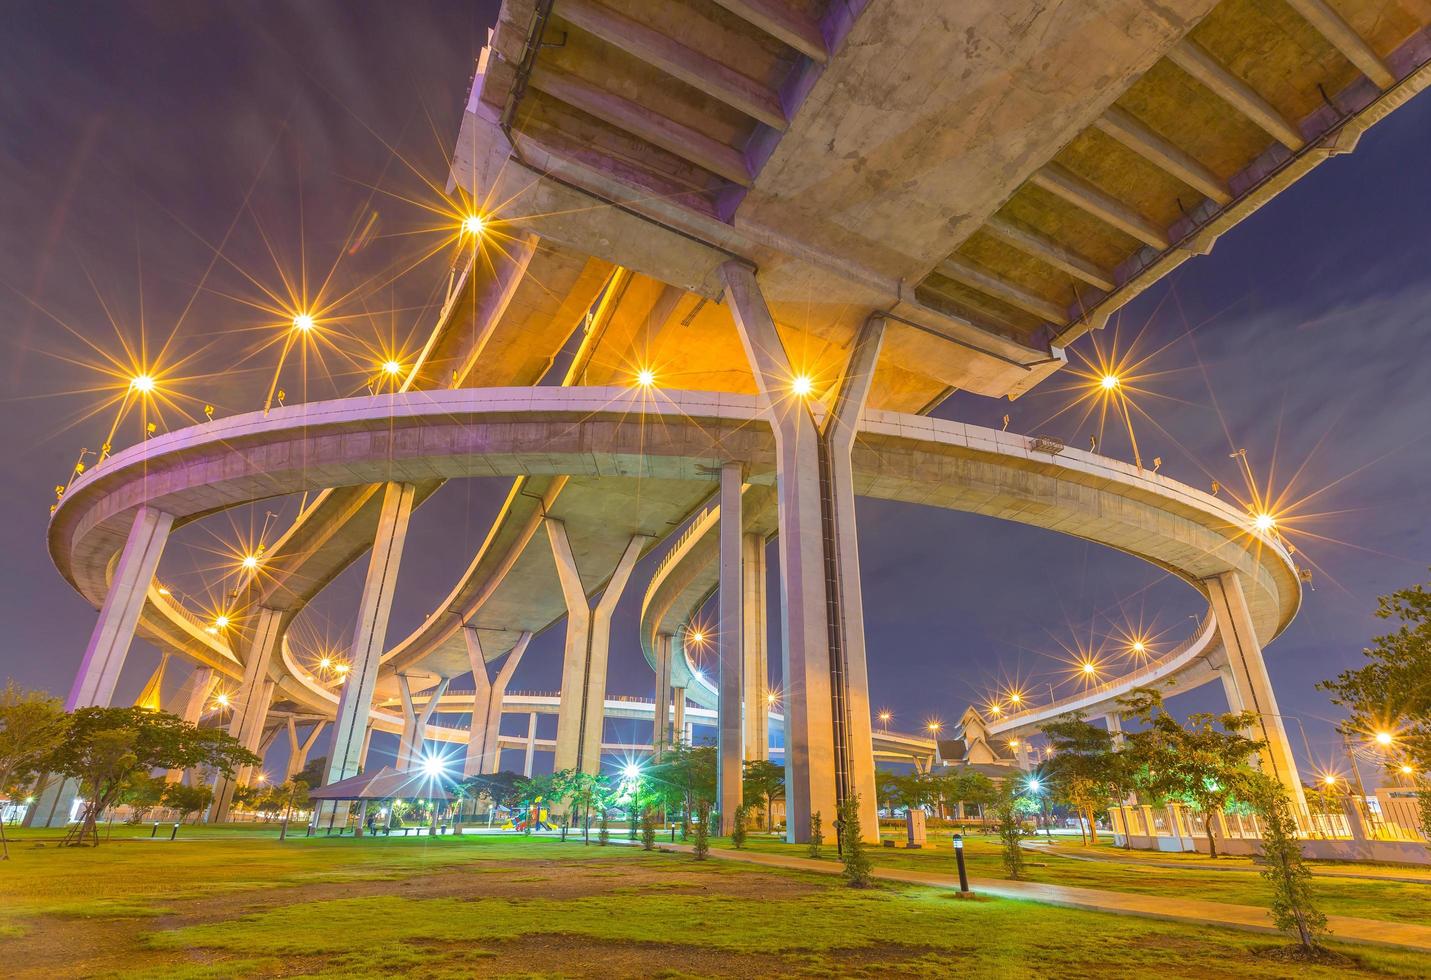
537,879
93,946
59,946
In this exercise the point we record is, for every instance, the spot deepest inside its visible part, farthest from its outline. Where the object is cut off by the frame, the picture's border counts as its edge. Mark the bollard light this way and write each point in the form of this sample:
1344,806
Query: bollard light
959,858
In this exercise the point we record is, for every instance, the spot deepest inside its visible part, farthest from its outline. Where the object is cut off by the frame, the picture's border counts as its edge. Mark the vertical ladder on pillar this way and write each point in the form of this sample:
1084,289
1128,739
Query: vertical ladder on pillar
835,627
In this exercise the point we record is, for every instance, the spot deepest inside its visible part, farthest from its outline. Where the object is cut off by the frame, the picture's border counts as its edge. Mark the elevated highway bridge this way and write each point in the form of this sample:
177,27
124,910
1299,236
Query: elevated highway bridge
785,233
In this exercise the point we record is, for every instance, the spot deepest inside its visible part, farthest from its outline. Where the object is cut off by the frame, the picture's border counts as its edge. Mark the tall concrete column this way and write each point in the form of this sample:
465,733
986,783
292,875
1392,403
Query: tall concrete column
367,744
1247,685
114,630
531,745
660,723
581,715
755,673
414,722
108,647
731,634
189,703
839,437
828,750
298,751
1113,721
679,728
250,704
193,696
356,702
483,748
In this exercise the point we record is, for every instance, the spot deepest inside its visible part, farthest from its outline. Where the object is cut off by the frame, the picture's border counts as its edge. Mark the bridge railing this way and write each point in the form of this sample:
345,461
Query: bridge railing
1150,667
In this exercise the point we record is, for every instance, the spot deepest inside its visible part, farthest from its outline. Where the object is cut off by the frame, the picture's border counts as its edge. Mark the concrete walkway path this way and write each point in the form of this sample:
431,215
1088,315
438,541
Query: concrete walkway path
1317,870
1250,918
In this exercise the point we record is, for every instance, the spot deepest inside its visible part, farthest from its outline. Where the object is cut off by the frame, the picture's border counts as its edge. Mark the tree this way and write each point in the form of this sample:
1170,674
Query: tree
32,726
648,829
314,771
764,780
1203,762
970,787
1390,692
603,831
684,778
188,800
1294,908
737,829
817,835
1009,808
853,849
703,830
1085,770
142,792
107,746
915,789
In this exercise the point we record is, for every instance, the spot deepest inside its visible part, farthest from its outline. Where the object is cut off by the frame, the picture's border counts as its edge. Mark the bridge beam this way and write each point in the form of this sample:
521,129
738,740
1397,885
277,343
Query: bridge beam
109,644
484,754
1247,685
730,641
355,704
298,751
581,717
414,722
828,752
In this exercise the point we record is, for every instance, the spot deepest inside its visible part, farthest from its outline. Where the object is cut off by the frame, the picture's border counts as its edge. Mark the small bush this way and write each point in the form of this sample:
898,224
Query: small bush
648,829
856,857
817,835
737,830
702,831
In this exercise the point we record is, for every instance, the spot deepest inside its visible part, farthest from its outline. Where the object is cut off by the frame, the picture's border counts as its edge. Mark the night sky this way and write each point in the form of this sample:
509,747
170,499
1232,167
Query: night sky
140,141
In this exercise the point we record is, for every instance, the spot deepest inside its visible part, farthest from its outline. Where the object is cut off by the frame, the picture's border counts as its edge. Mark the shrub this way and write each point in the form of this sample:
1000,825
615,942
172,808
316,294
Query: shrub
737,830
817,835
857,859
702,830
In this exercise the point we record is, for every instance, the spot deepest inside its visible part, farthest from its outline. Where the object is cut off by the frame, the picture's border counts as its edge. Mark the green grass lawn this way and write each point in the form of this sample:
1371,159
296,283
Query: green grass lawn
1393,900
235,903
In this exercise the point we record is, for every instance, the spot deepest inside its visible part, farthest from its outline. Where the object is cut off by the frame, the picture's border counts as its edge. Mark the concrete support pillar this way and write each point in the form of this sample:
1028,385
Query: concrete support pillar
1246,682
729,728
189,703
678,715
828,750
250,704
414,722
108,646
270,735
483,747
367,744
660,734
114,630
369,637
755,672
1113,721
582,714
298,751
193,697
531,745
